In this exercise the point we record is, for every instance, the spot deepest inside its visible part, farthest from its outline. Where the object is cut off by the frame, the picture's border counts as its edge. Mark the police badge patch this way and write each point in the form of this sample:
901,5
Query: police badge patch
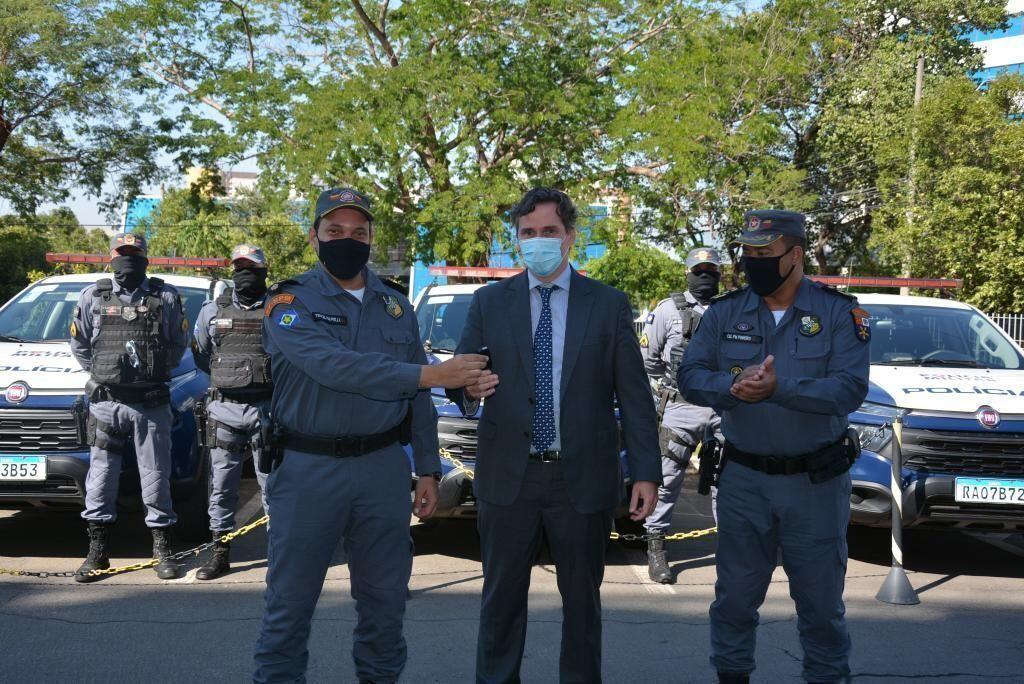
810,326
393,306
288,318
650,318
129,313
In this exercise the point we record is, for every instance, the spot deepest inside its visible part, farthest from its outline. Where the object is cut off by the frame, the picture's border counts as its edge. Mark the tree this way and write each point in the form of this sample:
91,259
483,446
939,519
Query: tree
969,207
194,222
645,273
444,111
68,115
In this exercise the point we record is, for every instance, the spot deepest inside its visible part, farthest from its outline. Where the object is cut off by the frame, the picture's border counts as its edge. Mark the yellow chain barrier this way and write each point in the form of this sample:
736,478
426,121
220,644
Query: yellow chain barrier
144,564
679,536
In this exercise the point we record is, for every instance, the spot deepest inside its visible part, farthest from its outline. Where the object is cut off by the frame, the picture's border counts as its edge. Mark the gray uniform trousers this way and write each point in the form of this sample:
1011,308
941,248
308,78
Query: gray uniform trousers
758,514
238,425
688,423
315,501
149,429
510,538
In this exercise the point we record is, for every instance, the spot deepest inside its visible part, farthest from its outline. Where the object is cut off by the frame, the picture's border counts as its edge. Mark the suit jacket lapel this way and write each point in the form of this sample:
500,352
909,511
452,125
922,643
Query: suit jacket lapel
520,321
580,303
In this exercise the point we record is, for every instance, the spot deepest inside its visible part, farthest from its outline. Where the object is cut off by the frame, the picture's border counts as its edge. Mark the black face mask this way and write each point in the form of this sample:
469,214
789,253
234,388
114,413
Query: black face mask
703,285
250,284
345,258
129,270
763,273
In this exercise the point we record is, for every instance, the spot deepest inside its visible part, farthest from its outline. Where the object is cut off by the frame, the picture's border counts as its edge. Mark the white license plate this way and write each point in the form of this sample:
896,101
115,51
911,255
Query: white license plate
984,490
23,468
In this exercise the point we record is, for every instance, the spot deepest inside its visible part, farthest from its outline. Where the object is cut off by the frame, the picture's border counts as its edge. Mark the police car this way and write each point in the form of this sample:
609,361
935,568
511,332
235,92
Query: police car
958,381
441,312
43,452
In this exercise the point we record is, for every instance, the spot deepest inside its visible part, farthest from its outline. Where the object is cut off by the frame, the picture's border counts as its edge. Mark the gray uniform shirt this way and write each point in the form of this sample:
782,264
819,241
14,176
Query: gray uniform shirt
85,327
202,341
821,363
344,367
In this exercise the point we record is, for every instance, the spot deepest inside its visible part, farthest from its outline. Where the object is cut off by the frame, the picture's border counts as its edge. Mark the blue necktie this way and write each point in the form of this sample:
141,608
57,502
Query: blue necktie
544,408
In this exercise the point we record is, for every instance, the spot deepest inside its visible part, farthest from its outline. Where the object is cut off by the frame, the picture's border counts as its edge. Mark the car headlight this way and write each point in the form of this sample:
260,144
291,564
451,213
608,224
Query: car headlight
874,436
183,379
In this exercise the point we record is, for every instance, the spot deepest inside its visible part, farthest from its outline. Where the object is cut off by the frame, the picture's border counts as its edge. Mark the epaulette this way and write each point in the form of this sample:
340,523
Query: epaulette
396,286
729,295
832,290
155,285
275,296
103,285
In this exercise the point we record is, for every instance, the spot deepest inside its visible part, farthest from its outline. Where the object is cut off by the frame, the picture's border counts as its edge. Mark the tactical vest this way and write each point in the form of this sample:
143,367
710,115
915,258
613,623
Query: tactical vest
689,319
129,348
239,361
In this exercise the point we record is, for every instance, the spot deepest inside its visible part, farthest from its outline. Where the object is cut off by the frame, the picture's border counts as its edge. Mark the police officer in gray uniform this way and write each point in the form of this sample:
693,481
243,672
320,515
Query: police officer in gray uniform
129,332
350,380
228,344
783,361
667,332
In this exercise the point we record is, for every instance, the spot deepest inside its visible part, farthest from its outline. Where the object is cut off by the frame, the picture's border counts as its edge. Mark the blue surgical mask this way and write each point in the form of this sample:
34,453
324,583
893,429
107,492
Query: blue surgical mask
543,256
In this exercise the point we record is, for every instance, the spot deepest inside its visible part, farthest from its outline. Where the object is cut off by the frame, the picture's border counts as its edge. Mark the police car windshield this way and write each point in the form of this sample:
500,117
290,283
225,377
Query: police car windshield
43,313
938,336
441,319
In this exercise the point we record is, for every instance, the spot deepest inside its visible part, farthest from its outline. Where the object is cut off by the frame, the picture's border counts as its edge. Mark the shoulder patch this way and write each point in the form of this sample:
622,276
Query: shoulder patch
650,318
644,342
282,298
288,318
729,295
74,329
861,324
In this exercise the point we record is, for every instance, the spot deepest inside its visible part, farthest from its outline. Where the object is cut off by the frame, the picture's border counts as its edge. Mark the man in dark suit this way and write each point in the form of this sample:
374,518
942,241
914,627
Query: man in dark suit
564,348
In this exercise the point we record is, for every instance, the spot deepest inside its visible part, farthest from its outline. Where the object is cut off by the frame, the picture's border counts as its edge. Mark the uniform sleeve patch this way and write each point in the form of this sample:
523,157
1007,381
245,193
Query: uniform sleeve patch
283,298
650,318
184,324
74,329
644,342
861,324
288,318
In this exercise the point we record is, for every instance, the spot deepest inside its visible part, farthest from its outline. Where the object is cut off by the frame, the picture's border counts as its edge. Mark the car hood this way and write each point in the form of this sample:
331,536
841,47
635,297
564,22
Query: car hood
45,367
962,390
50,368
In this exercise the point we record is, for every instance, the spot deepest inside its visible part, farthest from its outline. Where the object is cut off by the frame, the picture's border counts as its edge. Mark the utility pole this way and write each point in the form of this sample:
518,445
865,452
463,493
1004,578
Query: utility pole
912,173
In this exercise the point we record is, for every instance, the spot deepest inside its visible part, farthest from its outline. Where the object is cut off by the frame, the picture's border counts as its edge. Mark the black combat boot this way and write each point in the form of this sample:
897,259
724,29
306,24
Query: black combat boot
733,678
166,569
657,565
219,562
97,558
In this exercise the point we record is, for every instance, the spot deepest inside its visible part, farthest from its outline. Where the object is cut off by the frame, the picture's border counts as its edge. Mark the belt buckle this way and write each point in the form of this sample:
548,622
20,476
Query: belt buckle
343,446
550,456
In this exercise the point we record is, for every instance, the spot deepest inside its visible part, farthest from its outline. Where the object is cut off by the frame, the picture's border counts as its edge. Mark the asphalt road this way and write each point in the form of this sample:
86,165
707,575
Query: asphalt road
134,628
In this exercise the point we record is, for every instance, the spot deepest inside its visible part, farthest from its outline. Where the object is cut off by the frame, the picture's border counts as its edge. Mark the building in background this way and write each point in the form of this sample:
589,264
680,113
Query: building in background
1004,49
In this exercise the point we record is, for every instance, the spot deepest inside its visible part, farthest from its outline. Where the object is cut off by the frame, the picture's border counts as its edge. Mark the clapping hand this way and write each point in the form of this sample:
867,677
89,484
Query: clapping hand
756,383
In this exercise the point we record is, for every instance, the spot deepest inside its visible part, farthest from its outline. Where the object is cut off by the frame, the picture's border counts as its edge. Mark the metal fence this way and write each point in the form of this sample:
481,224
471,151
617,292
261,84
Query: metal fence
1013,324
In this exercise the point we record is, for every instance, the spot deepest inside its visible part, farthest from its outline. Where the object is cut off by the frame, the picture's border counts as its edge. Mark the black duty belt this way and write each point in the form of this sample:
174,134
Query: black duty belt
346,446
546,456
149,395
242,396
821,465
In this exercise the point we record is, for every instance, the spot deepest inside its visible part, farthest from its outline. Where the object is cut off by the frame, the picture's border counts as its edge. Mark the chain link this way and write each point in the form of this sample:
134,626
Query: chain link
195,551
679,536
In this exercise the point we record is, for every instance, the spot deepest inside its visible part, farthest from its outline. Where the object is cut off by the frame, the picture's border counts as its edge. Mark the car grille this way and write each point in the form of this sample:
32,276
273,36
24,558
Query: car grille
39,430
54,485
964,453
458,436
